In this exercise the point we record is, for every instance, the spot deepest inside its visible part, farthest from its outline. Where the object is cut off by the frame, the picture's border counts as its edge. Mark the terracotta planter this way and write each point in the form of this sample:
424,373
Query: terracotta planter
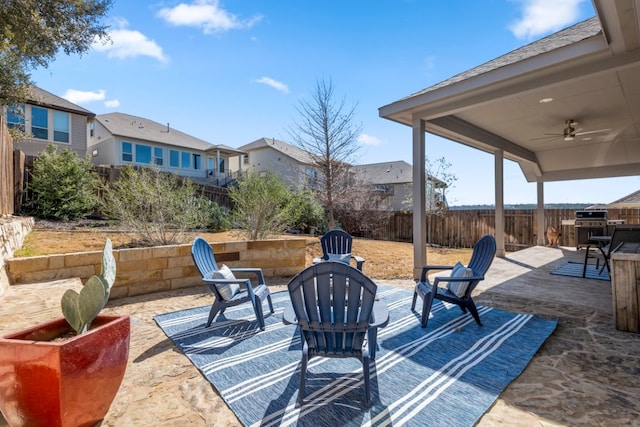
65,383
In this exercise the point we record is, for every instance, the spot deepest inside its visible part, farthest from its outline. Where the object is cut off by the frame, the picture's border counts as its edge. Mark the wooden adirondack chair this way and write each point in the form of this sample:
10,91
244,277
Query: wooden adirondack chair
334,306
336,246
228,290
459,285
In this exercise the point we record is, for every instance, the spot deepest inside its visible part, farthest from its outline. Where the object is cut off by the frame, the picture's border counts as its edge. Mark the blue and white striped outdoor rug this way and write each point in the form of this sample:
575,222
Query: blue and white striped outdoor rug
448,374
574,269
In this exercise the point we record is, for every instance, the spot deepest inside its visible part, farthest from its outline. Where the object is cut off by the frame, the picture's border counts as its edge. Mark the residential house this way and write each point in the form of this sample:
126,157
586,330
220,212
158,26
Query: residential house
392,184
294,165
630,201
123,139
46,118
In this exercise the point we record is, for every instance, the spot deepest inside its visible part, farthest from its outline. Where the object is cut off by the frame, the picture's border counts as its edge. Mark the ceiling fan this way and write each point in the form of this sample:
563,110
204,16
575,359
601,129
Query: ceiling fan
570,132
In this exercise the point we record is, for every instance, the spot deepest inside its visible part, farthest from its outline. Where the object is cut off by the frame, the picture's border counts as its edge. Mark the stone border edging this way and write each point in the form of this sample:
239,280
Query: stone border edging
160,268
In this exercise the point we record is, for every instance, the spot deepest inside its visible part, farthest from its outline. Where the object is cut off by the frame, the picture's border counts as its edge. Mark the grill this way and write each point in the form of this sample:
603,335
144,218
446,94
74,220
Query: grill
589,223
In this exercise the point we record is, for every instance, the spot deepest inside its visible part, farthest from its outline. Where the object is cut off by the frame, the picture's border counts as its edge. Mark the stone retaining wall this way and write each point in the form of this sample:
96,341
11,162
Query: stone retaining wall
12,233
161,268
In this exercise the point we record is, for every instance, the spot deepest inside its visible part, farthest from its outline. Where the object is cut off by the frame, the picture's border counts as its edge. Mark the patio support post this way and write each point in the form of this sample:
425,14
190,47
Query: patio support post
419,198
540,214
499,184
218,175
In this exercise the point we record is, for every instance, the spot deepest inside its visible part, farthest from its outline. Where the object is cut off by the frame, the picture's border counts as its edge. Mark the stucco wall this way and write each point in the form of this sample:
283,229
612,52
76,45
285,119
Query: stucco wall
161,268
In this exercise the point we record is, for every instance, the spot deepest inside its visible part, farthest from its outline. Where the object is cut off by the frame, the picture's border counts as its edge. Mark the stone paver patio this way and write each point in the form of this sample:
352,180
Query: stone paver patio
587,372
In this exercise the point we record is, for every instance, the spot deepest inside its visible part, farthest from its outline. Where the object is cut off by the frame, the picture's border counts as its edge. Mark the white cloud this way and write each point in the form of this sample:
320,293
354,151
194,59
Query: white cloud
112,103
365,139
205,14
127,43
273,83
543,16
84,97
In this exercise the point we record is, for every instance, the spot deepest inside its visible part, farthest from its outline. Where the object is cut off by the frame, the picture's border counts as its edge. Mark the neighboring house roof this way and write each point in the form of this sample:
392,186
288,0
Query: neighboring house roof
128,126
294,152
629,201
39,96
224,149
397,172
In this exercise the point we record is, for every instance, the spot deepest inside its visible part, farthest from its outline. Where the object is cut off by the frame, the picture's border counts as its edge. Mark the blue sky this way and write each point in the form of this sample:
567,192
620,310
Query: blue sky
231,71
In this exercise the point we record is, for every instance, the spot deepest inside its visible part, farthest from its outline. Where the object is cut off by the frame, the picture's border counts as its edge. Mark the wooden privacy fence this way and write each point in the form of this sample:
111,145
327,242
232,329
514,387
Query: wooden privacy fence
462,228
10,171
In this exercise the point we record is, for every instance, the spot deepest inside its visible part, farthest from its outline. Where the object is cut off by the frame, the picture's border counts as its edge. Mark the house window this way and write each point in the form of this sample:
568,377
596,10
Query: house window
15,117
186,160
143,154
60,126
158,156
210,165
245,159
221,166
197,164
127,152
92,129
39,123
174,159
310,176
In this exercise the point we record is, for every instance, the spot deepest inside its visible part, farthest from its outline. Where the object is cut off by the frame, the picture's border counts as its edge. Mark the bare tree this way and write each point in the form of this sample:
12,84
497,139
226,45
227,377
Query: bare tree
439,179
326,131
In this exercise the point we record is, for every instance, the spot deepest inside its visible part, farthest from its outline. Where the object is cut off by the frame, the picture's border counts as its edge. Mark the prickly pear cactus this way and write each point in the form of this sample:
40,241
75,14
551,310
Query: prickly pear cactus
81,308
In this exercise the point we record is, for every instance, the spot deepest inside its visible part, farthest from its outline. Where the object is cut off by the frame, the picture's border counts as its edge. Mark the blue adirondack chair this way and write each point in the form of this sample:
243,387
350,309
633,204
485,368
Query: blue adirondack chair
336,246
459,286
228,290
334,306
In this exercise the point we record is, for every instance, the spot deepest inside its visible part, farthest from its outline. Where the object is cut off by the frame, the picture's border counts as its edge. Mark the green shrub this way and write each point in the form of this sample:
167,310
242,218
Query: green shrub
63,186
262,205
160,206
306,211
219,217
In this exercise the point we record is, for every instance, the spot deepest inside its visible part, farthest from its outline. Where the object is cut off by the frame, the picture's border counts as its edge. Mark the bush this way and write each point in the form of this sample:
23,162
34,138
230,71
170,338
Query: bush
219,217
262,205
159,206
62,187
306,211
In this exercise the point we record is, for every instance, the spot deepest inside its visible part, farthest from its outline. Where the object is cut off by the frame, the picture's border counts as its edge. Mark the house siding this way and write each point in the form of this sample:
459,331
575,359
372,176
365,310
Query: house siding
267,158
110,153
77,135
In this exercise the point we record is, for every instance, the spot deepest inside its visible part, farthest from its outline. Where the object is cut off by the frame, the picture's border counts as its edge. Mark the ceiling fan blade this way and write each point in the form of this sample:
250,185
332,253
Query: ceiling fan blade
592,131
549,136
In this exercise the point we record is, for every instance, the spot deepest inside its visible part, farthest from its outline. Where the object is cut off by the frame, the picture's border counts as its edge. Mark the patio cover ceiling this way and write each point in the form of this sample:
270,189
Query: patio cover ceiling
590,70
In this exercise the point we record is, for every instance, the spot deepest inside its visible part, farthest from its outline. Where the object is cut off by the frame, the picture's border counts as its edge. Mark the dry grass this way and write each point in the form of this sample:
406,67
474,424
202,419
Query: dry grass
384,260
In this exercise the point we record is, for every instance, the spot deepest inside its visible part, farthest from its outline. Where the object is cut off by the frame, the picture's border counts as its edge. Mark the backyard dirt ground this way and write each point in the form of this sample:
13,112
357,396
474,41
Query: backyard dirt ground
384,260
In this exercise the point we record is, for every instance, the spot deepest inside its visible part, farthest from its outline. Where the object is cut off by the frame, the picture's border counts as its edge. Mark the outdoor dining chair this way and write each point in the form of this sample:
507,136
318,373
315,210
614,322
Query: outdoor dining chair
460,284
334,306
629,233
229,291
336,246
